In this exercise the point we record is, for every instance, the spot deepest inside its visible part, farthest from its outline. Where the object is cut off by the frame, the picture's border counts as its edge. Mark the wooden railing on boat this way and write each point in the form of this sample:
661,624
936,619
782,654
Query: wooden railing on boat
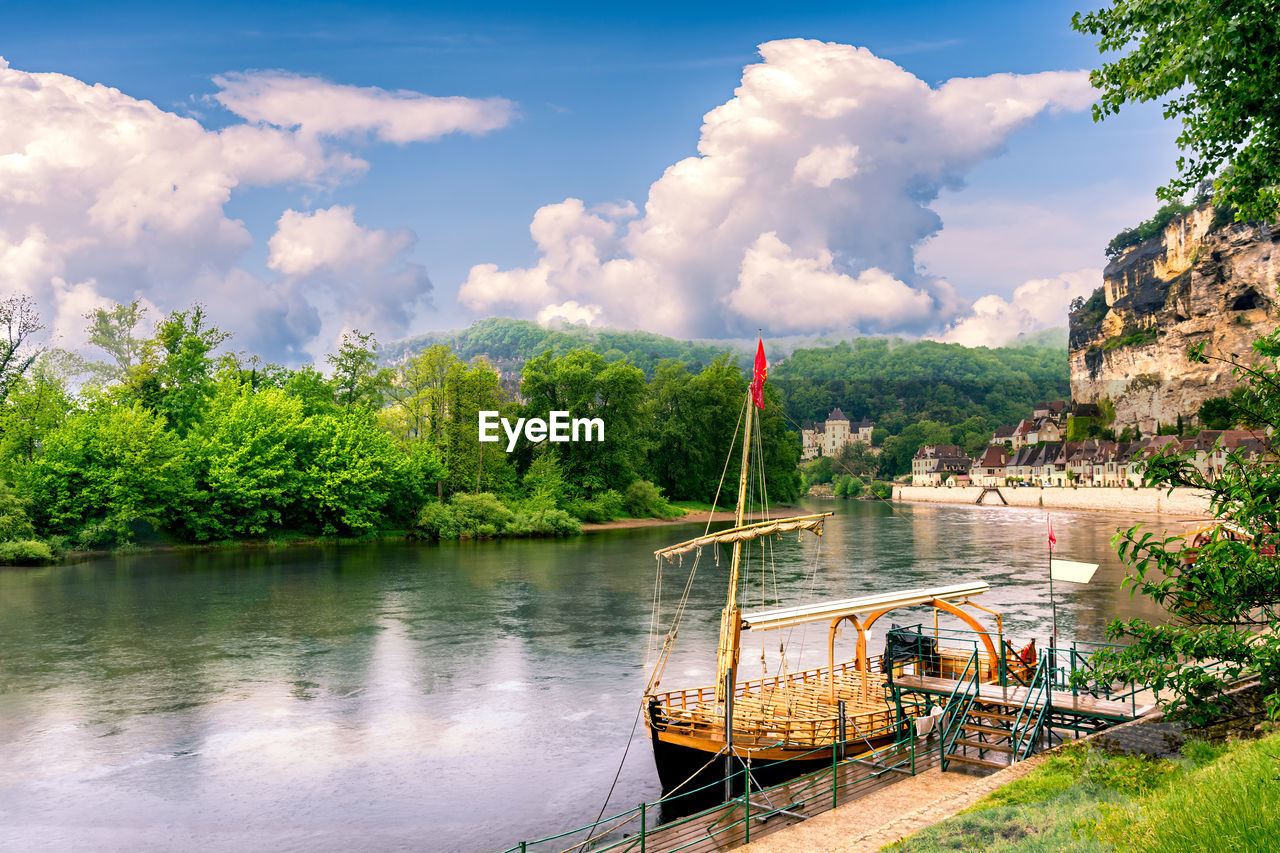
797,709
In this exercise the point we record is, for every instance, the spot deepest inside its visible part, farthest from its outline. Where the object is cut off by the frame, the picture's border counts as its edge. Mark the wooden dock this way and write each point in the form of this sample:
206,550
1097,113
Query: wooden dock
1060,701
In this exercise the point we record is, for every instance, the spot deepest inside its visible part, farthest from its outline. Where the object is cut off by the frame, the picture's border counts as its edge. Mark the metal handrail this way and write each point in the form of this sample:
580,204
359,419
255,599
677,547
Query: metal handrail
957,708
1037,702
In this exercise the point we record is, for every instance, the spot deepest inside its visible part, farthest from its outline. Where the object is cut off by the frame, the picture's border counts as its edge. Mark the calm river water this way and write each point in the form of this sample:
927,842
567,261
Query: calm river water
416,697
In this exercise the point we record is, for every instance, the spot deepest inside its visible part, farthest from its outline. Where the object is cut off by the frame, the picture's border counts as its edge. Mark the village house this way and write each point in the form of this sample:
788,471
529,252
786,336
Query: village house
1035,431
933,461
1055,410
990,468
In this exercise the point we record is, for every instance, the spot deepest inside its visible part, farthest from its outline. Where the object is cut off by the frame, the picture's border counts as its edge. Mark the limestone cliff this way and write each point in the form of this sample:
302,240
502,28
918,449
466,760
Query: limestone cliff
1201,279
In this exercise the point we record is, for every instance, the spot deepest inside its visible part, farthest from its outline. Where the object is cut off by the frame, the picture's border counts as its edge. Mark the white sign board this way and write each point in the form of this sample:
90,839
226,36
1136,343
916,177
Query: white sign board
1071,571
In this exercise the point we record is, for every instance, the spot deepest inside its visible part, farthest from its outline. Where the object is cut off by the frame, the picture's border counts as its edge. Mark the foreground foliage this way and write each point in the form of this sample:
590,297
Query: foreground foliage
1215,64
1224,599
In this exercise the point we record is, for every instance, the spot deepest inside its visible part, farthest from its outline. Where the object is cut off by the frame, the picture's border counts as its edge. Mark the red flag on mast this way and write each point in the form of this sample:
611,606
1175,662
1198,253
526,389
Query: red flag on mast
1053,540
757,381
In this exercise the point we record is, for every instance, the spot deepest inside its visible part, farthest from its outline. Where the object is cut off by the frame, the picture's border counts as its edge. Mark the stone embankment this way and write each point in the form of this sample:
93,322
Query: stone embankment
1179,502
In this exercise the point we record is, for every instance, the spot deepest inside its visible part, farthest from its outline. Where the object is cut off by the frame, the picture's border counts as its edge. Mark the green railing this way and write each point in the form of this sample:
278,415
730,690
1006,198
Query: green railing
635,829
1031,714
956,710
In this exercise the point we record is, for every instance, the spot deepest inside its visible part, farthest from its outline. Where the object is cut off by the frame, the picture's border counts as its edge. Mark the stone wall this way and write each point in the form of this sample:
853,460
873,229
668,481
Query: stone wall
1180,502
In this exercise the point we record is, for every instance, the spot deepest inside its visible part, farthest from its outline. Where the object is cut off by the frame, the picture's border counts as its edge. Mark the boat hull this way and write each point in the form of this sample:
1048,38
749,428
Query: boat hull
693,771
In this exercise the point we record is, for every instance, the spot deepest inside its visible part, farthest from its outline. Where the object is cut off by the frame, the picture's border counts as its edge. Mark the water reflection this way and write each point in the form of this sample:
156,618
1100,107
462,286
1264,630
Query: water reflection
457,697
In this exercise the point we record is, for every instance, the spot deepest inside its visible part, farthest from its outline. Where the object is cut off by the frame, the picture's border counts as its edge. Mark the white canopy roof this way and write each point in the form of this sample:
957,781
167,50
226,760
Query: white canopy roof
784,617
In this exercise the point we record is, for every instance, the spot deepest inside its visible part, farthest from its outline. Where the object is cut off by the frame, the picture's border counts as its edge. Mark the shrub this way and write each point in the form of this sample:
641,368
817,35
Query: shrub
435,522
25,552
544,522
644,500
102,535
480,516
14,523
881,489
848,486
605,506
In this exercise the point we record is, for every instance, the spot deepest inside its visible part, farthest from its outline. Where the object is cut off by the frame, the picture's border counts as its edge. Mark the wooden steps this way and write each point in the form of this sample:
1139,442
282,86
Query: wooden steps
992,747
986,730
979,762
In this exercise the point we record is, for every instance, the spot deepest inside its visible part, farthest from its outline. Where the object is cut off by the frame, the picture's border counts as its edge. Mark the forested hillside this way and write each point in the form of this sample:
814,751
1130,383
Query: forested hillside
891,381
501,339
897,383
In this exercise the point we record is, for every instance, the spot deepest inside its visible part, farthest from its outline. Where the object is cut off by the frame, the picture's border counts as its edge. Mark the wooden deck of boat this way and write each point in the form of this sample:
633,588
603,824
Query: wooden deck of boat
797,711
1059,700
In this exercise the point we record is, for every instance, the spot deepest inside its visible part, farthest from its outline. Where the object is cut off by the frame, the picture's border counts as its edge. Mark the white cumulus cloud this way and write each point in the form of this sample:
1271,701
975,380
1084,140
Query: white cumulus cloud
363,271
318,107
1036,304
107,197
811,187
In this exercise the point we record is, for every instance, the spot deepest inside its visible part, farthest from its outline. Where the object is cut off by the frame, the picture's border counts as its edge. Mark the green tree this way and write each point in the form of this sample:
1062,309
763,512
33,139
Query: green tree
311,388
247,458
111,465
20,321
856,458
357,378
419,394
175,377
354,479
1216,65
693,417
1224,600
14,522
585,385
472,465
37,404
115,331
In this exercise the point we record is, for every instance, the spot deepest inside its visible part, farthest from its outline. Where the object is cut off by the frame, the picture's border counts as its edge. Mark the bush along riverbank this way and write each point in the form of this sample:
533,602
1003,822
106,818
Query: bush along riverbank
1210,793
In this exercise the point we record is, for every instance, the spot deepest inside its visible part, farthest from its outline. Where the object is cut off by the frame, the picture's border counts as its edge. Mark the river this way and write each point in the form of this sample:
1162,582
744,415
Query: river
398,696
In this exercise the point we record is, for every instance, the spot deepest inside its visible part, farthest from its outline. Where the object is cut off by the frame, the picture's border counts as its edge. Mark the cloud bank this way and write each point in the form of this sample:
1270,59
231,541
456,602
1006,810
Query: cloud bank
802,211
107,197
1037,304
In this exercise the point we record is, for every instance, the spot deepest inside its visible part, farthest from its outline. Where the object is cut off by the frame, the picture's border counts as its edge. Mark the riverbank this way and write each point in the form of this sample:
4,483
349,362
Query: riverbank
1142,500
690,516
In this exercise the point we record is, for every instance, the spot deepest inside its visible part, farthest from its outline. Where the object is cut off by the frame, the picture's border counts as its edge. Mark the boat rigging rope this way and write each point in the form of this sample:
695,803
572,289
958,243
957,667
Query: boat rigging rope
669,641
616,776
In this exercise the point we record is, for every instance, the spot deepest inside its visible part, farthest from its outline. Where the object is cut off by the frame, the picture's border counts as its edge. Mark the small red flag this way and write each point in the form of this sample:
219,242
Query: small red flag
757,381
1053,540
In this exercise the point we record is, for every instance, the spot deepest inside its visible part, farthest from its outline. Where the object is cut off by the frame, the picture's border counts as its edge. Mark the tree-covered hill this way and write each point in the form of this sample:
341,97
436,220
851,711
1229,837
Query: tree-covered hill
896,383
889,380
504,340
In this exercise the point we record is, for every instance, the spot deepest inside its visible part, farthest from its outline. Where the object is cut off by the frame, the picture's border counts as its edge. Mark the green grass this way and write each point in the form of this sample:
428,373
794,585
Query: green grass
1215,798
1229,804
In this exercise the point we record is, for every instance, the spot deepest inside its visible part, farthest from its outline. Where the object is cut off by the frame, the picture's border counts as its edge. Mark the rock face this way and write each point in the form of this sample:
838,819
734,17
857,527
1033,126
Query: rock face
1200,280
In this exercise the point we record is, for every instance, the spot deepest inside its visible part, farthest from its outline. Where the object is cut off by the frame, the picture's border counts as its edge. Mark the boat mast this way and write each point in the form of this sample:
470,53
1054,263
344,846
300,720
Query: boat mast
730,617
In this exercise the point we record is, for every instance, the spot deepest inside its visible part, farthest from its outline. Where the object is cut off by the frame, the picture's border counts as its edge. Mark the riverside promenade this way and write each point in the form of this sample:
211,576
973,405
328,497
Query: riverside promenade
1156,501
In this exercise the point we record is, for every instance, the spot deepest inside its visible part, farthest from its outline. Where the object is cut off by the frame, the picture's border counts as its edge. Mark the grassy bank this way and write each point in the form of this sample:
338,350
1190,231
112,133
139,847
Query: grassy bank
1215,797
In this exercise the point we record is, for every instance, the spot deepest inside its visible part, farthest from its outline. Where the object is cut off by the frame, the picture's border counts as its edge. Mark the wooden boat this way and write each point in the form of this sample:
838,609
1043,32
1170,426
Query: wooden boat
784,725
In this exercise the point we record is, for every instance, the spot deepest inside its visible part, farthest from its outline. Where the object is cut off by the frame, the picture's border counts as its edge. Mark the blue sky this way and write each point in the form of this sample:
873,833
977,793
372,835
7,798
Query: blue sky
598,102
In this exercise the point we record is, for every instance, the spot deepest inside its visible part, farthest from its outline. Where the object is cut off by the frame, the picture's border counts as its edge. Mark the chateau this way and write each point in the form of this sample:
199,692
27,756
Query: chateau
830,436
